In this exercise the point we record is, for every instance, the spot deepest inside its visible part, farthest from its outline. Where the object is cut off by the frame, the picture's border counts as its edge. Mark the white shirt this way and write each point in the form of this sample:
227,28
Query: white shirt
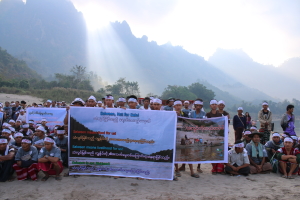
143,108
22,118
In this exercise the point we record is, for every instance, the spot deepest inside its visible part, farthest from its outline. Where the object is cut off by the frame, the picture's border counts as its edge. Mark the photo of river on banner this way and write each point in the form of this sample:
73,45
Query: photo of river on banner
201,140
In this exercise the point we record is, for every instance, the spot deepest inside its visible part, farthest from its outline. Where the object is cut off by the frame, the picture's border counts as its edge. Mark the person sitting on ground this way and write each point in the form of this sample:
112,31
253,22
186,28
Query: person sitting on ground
26,161
7,134
238,161
49,160
26,131
287,157
257,155
12,123
17,143
246,139
31,125
18,125
22,116
253,128
273,145
38,140
61,142
295,140
44,124
7,155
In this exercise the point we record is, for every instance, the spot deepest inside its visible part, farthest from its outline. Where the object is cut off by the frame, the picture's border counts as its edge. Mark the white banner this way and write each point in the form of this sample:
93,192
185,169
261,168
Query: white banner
118,142
54,116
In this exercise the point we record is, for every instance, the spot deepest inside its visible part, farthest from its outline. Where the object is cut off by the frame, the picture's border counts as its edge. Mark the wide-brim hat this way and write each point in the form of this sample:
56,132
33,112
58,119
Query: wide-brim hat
255,133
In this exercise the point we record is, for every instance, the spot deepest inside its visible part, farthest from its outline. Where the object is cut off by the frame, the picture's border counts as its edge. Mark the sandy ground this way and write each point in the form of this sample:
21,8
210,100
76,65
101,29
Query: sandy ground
268,186
15,97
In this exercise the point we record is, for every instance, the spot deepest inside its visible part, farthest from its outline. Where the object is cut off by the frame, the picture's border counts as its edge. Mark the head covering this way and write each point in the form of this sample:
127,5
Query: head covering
6,124
12,121
239,145
109,97
255,133
287,139
265,104
3,141
19,120
132,100
121,99
221,102
99,102
276,135
171,99
284,135
6,131
49,101
186,102
44,120
31,121
41,128
78,100
47,139
253,127
92,98
157,101
178,102
12,129
60,132
247,132
213,102
25,126
26,141
240,108
294,137
18,135
197,102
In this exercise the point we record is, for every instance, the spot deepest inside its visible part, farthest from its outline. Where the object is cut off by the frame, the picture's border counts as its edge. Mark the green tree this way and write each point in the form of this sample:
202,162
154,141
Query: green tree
201,91
178,92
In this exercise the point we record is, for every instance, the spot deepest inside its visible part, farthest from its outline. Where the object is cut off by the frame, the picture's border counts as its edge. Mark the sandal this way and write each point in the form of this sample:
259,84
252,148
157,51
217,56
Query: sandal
58,178
284,176
178,174
195,175
199,170
290,177
45,178
214,173
175,178
66,174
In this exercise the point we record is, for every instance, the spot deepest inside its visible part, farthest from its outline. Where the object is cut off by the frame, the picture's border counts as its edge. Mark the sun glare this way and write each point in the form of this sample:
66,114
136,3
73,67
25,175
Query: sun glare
95,17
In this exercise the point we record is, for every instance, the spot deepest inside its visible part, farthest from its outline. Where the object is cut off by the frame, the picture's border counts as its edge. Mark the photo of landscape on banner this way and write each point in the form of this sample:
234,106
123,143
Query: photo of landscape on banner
202,140
119,142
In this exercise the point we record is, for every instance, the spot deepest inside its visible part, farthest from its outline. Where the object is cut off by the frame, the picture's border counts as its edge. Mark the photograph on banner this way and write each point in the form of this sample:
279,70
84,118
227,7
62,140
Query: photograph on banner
54,116
1,117
202,140
119,142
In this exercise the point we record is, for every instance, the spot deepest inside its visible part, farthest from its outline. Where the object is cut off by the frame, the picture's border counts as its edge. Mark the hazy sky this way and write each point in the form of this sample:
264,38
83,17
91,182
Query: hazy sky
267,30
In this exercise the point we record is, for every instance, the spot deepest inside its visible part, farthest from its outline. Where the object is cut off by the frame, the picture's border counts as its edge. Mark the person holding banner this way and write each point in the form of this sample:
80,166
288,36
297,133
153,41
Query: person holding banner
49,160
109,101
186,110
62,143
132,103
121,102
146,104
177,108
38,140
170,103
216,167
157,103
198,112
26,161
92,102
7,155
99,104
257,155
221,106
238,161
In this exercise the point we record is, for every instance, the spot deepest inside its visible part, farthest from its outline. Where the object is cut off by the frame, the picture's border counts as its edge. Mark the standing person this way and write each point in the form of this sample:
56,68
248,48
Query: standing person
7,109
7,160
157,104
146,104
221,106
288,121
132,103
170,103
109,101
177,108
26,161
198,113
99,104
92,102
239,124
216,167
257,155
265,119
49,160
186,110
248,120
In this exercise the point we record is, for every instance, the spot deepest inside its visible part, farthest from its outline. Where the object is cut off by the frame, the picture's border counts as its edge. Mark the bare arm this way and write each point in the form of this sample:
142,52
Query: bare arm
9,156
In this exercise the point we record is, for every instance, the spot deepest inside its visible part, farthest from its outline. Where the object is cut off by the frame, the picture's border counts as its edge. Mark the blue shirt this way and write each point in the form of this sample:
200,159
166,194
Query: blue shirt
193,114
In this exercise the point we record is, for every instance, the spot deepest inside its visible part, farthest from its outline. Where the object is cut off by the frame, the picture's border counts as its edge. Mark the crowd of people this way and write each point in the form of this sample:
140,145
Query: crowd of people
26,148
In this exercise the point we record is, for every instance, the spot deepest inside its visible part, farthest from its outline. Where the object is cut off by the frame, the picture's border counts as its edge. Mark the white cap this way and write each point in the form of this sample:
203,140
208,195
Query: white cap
240,108
78,100
92,98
